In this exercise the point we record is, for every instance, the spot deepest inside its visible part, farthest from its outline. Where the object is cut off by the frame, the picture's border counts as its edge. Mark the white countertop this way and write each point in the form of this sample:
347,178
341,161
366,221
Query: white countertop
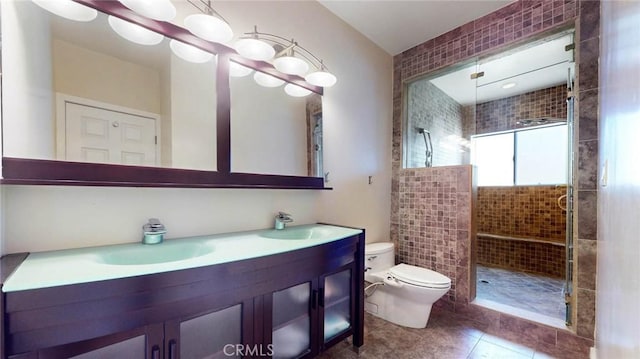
83,265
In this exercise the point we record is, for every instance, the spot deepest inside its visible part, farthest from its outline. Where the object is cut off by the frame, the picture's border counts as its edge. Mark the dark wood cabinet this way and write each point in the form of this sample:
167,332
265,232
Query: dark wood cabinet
309,317
288,305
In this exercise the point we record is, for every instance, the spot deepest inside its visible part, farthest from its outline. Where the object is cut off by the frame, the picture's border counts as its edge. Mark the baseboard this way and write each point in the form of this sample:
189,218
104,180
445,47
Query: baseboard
593,353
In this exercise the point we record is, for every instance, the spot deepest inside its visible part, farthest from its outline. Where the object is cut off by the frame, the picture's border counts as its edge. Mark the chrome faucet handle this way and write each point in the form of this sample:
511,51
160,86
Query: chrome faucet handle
281,220
154,225
153,232
284,217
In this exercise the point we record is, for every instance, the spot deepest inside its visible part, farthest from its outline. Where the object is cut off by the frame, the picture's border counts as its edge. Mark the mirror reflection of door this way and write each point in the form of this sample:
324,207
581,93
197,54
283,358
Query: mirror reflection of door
102,135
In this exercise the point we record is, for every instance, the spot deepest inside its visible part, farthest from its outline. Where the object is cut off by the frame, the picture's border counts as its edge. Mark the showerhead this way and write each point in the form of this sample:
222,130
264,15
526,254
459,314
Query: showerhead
421,130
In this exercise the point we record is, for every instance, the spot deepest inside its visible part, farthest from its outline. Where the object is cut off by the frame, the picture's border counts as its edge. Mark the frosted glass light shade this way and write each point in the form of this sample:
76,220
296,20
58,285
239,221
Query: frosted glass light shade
296,91
321,78
189,53
162,10
237,70
68,9
209,27
291,65
134,33
255,49
267,80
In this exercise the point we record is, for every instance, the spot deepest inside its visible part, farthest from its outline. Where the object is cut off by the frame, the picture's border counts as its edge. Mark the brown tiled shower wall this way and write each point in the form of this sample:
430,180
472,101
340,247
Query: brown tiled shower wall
523,211
509,25
523,256
435,223
432,109
522,228
504,114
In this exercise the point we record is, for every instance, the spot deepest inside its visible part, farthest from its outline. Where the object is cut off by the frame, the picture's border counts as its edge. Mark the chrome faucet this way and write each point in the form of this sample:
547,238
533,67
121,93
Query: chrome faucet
282,219
153,232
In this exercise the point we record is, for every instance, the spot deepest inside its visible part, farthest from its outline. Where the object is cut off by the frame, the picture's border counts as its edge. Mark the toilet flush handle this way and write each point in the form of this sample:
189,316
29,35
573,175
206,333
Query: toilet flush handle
390,280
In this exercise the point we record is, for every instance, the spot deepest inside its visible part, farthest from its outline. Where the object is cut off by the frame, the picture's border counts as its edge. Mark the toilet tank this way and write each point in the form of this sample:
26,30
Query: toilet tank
379,257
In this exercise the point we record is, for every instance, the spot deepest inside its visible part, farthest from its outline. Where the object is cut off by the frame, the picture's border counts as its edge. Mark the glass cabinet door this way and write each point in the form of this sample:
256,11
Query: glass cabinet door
291,335
141,343
337,303
133,348
213,335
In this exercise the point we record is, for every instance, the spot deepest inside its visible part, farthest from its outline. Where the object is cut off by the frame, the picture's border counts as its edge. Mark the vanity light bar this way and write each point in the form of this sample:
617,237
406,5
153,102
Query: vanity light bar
290,58
123,15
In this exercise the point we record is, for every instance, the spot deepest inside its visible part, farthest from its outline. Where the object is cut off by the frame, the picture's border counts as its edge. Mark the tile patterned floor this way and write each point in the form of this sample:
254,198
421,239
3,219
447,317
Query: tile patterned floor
532,292
447,336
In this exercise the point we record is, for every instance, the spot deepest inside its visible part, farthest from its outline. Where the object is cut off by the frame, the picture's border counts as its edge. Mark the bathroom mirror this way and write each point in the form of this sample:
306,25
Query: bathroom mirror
273,132
108,101
168,118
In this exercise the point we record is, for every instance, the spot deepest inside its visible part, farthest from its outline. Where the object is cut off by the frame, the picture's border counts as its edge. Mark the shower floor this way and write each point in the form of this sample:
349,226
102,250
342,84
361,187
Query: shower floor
532,292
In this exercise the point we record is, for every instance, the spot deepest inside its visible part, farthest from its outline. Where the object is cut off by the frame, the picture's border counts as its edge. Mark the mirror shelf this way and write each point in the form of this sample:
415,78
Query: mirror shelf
21,171
32,171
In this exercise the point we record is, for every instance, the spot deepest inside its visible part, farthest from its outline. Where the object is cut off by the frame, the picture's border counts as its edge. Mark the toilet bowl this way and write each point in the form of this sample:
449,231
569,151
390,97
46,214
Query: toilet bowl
402,294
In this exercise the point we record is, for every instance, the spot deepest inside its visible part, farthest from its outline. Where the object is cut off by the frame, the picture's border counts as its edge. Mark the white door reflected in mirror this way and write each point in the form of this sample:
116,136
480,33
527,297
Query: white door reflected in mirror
104,136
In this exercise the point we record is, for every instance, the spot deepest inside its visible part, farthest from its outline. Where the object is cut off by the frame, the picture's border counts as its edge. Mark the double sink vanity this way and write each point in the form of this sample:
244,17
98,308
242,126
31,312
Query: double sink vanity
283,293
287,293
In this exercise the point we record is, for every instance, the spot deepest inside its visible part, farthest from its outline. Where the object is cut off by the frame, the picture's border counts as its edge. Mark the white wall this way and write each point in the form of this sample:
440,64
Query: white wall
357,137
27,82
77,70
273,144
193,128
618,281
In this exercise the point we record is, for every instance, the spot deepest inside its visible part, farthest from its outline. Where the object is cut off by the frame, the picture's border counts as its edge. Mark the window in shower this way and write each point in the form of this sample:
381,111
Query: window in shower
531,156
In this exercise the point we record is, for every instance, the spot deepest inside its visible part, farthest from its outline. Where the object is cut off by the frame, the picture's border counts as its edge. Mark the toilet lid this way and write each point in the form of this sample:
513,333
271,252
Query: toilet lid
377,248
420,276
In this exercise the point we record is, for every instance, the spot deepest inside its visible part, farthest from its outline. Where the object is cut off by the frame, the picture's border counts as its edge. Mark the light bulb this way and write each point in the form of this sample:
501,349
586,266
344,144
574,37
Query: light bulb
321,78
237,70
255,49
68,9
267,80
209,27
296,91
134,32
189,53
291,65
162,10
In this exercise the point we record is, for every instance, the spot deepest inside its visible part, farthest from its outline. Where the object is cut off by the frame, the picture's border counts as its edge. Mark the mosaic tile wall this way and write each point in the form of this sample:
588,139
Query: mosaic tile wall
586,222
442,116
510,25
435,219
532,257
503,114
523,211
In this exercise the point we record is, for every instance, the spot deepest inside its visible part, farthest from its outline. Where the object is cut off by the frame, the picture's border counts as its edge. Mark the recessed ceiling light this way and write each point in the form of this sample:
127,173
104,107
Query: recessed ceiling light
509,85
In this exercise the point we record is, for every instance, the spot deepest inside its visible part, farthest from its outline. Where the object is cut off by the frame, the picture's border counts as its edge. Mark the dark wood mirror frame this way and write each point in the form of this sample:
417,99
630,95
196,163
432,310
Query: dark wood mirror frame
52,172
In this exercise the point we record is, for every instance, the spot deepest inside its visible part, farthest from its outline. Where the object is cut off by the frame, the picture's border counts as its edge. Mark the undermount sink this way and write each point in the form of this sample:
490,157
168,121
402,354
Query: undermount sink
154,253
296,233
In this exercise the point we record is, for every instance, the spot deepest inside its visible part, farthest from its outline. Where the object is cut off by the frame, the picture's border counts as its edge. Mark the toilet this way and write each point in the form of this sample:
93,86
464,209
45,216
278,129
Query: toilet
402,294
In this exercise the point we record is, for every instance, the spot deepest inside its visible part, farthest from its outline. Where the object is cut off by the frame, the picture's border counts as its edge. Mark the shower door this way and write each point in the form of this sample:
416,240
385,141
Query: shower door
568,289
522,148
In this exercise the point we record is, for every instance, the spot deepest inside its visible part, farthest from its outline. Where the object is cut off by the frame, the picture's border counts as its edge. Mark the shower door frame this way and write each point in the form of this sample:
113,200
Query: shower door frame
569,259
